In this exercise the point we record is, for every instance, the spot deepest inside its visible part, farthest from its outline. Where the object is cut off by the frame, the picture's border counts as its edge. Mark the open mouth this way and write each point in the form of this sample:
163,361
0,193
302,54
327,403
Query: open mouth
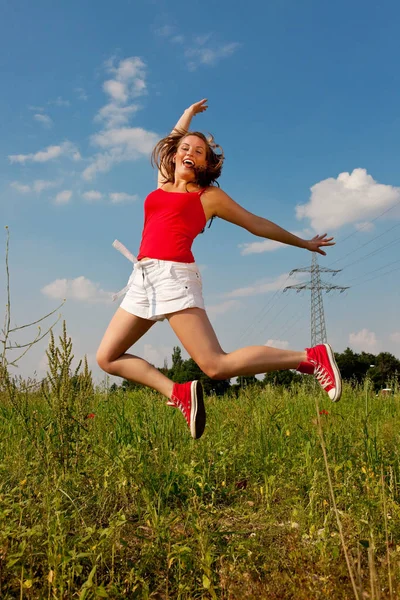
188,163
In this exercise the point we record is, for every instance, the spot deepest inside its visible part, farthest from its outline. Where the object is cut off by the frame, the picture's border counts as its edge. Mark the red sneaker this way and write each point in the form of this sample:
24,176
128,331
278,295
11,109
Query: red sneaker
321,363
188,397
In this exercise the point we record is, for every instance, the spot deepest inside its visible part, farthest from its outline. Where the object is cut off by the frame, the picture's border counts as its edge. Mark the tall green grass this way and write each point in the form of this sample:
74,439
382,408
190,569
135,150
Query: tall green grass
129,506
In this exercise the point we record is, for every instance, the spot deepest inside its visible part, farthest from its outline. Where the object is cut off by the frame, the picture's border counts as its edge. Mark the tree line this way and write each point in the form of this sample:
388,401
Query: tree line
382,369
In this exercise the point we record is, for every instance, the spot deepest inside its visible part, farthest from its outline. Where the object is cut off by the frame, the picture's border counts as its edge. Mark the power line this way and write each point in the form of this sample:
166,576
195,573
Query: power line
366,223
255,322
375,270
377,276
276,316
376,251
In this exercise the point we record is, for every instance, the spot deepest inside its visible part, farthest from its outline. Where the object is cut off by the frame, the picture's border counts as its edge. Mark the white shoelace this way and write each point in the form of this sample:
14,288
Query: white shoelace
178,404
323,376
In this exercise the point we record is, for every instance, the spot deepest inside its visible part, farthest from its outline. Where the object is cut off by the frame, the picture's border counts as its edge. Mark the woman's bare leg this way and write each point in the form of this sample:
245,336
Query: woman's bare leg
123,332
197,335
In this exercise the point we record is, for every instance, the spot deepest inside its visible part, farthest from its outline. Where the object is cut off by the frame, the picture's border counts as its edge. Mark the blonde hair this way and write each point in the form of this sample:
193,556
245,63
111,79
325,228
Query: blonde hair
163,157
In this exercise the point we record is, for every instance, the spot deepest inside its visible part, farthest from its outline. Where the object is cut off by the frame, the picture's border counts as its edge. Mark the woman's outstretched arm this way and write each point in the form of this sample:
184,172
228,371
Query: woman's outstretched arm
189,113
224,207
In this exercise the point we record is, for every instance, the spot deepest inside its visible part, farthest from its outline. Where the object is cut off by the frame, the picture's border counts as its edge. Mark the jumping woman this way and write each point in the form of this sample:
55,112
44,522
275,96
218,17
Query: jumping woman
166,283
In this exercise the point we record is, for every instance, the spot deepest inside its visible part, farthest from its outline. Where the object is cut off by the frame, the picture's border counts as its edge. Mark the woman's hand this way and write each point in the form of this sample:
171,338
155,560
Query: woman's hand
317,242
186,118
198,107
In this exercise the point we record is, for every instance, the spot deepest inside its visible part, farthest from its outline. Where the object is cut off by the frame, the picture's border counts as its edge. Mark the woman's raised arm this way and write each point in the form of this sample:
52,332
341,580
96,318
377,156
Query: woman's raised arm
189,113
184,123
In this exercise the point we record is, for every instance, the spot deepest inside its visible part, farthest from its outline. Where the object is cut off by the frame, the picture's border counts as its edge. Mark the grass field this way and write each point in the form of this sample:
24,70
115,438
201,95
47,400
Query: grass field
107,496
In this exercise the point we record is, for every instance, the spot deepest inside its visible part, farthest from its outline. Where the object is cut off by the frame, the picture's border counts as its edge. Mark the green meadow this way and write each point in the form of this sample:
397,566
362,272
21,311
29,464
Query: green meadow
105,495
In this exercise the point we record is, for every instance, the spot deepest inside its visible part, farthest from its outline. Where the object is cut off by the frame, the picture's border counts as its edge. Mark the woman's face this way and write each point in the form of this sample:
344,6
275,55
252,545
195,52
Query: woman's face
191,155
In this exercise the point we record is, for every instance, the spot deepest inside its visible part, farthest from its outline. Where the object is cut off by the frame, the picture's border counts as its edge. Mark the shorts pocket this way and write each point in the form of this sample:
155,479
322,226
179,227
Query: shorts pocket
187,276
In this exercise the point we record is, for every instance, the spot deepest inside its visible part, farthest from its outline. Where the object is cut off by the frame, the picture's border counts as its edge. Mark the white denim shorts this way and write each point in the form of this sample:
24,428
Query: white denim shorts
159,287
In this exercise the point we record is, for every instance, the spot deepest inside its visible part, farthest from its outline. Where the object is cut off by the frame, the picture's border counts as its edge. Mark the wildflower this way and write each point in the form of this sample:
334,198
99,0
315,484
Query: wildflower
323,412
90,416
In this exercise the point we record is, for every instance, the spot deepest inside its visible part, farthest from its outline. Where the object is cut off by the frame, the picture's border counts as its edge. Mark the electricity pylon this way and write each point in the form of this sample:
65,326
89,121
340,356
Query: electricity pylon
318,327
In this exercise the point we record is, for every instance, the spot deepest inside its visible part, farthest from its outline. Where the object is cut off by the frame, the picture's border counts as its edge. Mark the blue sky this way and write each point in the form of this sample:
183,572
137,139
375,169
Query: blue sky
304,99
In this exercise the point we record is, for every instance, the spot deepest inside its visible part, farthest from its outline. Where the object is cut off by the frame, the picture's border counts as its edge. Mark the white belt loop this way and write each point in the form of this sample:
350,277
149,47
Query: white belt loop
131,257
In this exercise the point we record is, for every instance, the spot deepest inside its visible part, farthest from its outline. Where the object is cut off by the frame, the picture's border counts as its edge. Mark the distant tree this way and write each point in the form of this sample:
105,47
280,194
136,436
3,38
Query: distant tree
191,370
128,385
211,386
187,370
353,366
245,381
164,369
176,372
386,369
284,378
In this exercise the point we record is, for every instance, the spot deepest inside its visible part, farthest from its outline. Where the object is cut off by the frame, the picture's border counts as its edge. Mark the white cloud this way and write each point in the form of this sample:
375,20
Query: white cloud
223,307
395,337
80,288
119,142
124,144
44,119
157,356
40,184
258,247
128,83
263,286
60,102
281,344
338,202
63,197
119,197
22,188
37,186
267,245
209,56
202,51
366,226
43,365
130,138
116,89
363,340
170,32
92,195
82,95
200,40
114,115
165,30
177,39
50,153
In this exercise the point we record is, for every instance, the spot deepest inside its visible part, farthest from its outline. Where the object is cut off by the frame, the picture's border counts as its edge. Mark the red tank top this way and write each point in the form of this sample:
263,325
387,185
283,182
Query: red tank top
172,220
